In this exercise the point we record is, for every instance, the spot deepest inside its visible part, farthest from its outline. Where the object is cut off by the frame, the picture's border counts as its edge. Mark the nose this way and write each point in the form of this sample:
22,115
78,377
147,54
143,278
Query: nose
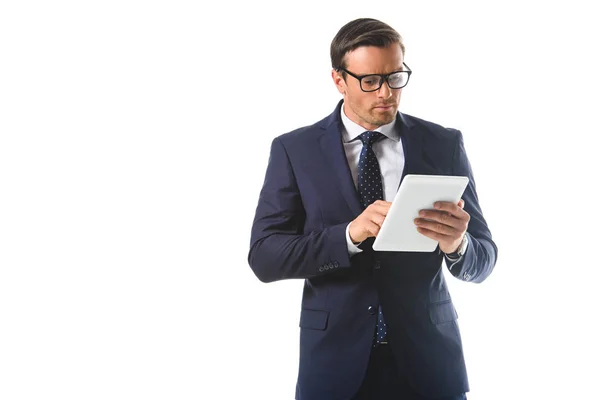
384,91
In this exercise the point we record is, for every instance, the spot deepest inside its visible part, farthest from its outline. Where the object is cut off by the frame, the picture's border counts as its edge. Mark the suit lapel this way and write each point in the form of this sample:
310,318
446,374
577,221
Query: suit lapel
416,158
333,151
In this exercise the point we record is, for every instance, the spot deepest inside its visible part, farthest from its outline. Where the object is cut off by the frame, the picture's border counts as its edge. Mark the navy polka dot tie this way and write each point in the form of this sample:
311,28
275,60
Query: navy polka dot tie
371,189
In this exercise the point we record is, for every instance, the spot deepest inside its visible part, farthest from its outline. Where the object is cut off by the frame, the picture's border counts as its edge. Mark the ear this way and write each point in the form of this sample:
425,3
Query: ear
339,82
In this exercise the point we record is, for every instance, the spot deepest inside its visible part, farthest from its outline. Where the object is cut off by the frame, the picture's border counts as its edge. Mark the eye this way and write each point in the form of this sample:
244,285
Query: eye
397,79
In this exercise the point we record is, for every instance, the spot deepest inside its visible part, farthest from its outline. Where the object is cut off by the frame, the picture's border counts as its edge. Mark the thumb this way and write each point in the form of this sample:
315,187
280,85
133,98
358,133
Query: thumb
461,203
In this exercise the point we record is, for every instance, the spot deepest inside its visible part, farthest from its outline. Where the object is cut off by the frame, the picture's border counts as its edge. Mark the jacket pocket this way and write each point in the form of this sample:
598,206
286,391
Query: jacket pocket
314,319
442,312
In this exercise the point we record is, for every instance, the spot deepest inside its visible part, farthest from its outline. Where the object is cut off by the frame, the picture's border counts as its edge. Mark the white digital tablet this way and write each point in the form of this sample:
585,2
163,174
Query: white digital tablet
416,192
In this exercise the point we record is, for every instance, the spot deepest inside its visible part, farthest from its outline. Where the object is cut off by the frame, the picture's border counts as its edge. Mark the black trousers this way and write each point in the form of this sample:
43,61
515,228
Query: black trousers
382,382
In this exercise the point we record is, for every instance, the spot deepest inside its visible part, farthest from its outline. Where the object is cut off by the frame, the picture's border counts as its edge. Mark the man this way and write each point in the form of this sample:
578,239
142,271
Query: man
374,325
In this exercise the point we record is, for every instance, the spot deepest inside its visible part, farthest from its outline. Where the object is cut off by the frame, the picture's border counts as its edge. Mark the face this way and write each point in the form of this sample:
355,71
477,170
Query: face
370,109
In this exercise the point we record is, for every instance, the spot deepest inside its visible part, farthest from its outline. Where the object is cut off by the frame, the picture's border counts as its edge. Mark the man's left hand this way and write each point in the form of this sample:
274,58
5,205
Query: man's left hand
446,224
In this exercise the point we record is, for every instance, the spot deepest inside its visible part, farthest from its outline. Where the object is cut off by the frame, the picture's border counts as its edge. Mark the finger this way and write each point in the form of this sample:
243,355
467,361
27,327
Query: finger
452,208
378,219
437,227
374,217
442,217
372,228
461,203
432,234
383,202
382,205
435,235
381,208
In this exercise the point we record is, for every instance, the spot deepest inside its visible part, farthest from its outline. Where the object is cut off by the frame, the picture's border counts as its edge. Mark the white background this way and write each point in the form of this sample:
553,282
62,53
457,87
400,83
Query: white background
134,141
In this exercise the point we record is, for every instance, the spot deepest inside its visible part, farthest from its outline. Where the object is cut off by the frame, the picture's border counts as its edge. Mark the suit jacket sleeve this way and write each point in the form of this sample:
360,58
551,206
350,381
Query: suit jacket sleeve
480,258
279,247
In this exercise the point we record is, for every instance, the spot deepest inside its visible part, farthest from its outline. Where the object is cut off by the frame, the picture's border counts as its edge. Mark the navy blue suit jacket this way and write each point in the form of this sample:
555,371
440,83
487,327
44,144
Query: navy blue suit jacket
307,200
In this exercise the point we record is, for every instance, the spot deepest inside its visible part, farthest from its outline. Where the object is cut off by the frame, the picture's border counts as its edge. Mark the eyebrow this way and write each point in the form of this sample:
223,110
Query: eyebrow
395,70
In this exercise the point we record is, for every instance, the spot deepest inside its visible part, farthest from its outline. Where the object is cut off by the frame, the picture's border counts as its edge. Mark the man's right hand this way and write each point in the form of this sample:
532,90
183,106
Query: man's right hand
368,223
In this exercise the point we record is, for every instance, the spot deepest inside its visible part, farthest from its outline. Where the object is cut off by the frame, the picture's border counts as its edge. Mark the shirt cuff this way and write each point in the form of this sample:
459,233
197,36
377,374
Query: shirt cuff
352,248
455,260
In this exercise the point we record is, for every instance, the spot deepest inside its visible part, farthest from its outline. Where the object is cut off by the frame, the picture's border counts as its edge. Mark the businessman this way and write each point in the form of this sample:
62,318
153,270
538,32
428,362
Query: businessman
373,325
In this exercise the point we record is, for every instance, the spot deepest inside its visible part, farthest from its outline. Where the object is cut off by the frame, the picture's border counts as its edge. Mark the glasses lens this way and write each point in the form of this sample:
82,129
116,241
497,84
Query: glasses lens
370,83
398,80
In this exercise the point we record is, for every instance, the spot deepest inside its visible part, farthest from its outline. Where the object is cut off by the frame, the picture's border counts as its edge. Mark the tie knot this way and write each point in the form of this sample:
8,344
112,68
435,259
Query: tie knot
369,137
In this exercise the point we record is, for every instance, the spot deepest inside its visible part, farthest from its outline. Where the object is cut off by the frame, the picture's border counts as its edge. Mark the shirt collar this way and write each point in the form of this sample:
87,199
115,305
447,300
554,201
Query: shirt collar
351,130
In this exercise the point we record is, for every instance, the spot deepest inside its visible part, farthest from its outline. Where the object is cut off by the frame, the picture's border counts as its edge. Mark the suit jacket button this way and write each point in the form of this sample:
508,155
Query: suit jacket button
377,265
371,310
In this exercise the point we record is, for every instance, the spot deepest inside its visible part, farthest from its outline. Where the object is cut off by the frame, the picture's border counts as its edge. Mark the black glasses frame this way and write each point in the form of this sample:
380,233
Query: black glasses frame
384,78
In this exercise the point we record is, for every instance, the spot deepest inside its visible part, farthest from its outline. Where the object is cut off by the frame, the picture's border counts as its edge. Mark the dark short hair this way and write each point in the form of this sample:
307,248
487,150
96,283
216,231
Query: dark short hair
358,33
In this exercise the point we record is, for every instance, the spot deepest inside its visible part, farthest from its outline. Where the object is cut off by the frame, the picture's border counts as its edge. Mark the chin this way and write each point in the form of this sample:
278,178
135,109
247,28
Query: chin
384,119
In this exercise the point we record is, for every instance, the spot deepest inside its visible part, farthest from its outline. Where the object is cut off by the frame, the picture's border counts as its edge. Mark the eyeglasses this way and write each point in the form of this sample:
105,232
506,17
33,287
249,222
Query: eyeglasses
372,82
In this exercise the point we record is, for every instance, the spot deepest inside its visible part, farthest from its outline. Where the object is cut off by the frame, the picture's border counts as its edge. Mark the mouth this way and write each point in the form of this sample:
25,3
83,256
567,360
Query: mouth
385,107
